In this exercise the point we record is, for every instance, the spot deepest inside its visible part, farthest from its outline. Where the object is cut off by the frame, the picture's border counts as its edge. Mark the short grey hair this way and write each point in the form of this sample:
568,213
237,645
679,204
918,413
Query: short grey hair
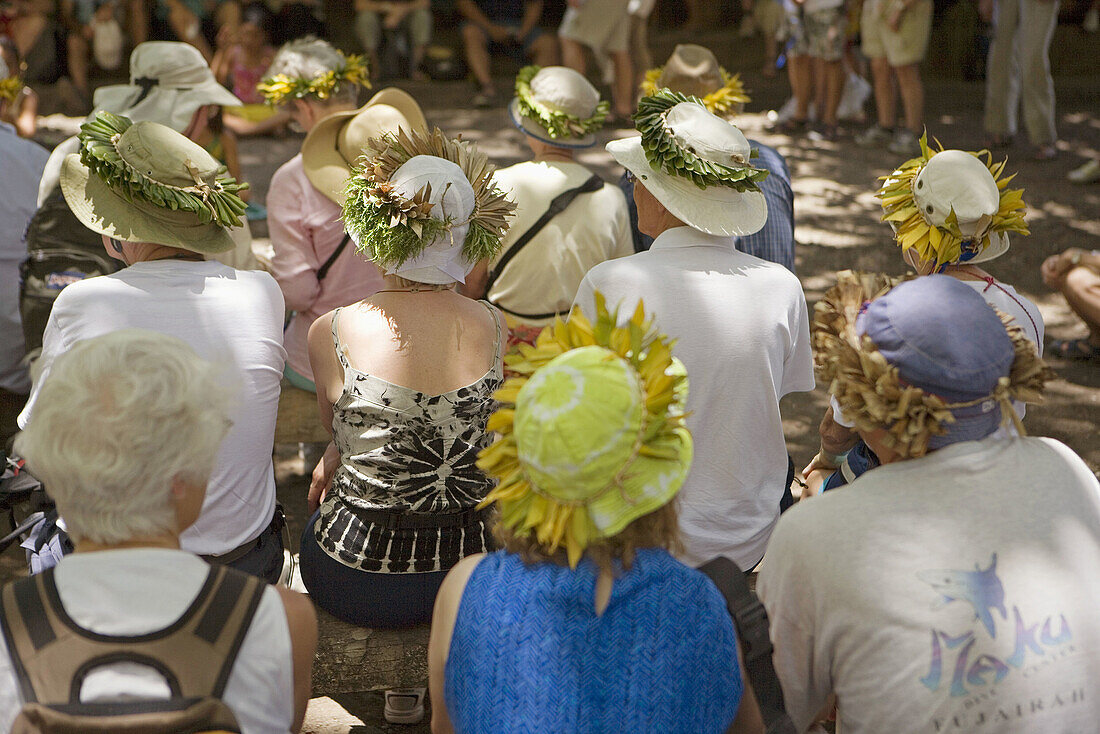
117,419
309,58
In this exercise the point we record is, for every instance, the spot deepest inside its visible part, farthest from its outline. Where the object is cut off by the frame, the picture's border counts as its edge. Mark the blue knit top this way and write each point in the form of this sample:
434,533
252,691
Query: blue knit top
529,653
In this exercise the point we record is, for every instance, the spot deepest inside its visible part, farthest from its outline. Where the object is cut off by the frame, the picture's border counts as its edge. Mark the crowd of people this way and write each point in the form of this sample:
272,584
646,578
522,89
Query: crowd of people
550,400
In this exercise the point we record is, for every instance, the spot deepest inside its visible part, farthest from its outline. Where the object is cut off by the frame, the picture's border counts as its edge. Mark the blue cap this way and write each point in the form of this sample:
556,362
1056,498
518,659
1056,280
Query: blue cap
945,339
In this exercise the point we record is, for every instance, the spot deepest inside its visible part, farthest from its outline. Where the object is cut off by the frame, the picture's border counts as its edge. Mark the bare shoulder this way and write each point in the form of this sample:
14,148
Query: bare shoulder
301,617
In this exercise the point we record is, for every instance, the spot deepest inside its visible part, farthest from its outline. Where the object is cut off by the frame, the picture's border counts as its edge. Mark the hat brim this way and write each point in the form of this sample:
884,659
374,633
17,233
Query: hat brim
171,107
322,161
102,210
715,210
529,127
998,245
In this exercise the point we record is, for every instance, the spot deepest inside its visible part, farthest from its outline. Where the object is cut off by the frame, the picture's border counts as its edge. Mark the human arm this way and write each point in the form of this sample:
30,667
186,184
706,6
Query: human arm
532,14
439,644
301,620
327,373
26,120
1056,267
294,263
748,719
471,12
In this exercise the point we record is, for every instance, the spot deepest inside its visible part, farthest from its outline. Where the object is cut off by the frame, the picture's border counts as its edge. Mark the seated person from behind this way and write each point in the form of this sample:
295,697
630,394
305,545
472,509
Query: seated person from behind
694,71
413,17
125,435
504,26
957,214
405,380
584,621
558,111
960,579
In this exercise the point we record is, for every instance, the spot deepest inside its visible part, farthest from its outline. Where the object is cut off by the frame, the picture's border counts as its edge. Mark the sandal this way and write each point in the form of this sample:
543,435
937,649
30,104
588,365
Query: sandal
404,705
1075,350
998,142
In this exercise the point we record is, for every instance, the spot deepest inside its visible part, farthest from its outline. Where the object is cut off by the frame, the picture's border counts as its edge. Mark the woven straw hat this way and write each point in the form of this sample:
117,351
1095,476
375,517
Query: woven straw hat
685,158
150,184
558,106
336,142
168,82
694,71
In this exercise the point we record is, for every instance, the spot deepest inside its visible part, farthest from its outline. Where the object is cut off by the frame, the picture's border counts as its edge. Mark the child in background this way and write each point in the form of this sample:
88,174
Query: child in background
22,112
240,63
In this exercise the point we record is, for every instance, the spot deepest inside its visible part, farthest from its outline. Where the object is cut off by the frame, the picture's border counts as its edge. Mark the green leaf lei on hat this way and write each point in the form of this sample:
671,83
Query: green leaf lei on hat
10,87
391,229
217,203
281,88
556,123
664,153
528,509
944,244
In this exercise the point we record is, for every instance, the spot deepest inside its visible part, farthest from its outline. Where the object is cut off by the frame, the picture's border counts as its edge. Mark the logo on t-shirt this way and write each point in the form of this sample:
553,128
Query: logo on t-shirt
971,662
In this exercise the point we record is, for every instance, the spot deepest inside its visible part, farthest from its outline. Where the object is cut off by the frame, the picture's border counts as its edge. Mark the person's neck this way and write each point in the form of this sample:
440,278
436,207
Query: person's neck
666,223
397,284
966,272
170,541
554,155
147,252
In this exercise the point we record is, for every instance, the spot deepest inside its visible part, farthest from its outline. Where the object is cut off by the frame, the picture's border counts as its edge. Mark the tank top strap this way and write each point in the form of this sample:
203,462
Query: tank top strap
495,313
341,349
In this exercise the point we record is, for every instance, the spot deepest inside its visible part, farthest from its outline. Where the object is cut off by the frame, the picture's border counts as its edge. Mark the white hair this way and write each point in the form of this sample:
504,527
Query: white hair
117,419
309,58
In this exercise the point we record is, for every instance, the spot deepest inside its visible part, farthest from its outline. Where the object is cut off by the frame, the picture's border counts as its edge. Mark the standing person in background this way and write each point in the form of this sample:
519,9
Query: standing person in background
535,276
895,38
505,26
22,162
604,27
640,56
816,73
1018,72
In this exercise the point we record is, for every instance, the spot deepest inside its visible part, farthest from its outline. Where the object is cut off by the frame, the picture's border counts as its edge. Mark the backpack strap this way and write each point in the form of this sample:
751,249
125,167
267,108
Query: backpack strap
557,206
323,270
751,621
52,655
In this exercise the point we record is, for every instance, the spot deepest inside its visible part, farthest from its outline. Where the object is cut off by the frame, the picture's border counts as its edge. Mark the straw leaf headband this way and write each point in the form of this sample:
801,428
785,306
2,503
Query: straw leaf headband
10,87
665,153
944,244
869,389
721,101
217,202
524,507
557,124
281,88
393,229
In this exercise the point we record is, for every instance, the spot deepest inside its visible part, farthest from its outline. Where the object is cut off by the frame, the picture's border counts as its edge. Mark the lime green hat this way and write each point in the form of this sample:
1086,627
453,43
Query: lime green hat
591,431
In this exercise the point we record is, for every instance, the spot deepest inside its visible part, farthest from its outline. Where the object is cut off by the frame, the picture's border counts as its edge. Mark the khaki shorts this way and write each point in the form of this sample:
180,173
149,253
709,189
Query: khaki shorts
768,15
602,25
908,45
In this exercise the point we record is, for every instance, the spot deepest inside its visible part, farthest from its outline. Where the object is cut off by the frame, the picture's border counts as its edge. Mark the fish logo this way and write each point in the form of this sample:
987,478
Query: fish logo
979,588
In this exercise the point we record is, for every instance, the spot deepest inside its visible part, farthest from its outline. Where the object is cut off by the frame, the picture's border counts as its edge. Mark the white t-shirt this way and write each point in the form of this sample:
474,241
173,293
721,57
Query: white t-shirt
957,592
231,317
742,332
1004,297
543,277
137,591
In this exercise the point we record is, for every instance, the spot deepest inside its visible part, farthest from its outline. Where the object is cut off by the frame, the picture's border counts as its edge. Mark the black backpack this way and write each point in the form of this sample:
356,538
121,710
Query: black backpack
60,251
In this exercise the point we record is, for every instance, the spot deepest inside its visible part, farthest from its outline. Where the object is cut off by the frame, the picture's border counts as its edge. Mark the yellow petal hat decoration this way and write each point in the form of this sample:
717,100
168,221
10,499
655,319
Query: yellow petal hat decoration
937,236
591,428
694,70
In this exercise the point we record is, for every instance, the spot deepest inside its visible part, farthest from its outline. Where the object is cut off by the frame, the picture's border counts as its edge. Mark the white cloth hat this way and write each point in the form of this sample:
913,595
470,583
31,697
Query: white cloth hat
954,180
441,260
559,89
716,210
168,82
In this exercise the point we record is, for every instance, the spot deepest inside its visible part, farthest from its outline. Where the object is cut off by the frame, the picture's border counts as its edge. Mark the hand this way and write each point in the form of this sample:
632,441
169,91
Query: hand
322,478
498,33
894,19
985,10
1056,267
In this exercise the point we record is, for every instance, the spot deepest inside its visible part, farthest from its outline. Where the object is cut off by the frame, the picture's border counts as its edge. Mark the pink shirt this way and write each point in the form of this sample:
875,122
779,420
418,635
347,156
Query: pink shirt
306,228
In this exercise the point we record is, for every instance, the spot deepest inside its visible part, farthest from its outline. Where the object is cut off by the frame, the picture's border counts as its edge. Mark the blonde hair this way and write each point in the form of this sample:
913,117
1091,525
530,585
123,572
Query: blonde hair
116,420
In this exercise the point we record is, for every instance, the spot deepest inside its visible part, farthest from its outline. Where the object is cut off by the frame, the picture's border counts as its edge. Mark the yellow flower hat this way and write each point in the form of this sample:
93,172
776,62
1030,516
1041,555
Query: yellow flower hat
591,431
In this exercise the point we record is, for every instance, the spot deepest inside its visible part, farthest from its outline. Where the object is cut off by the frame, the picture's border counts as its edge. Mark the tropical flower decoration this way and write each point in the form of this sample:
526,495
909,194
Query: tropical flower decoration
556,123
393,229
722,101
945,244
216,202
656,457
869,389
664,152
10,87
281,88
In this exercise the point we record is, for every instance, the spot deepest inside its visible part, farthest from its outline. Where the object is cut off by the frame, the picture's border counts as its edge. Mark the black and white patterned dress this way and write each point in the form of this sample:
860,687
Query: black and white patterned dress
406,452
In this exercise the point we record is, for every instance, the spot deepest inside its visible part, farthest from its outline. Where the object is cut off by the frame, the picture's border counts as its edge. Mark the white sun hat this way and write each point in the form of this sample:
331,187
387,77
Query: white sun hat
954,180
557,105
696,164
168,82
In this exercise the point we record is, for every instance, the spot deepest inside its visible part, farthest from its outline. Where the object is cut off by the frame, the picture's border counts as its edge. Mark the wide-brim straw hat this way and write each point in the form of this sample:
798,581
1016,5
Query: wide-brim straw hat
165,158
694,71
168,82
336,142
560,95
715,209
